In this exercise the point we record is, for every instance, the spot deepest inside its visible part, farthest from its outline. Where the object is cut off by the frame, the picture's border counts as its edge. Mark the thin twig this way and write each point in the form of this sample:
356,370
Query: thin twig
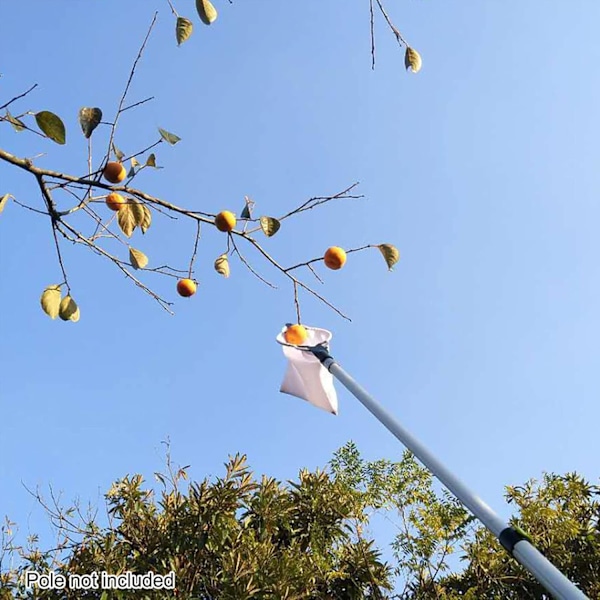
19,96
25,127
191,270
314,260
315,273
300,283
296,302
173,8
53,221
395,31
125,92
35,210
372,35
137,104
316,200
119,263
237,251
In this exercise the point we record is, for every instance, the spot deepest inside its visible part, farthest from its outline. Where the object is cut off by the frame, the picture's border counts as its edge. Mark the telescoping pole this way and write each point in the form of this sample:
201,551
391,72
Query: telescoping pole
513,541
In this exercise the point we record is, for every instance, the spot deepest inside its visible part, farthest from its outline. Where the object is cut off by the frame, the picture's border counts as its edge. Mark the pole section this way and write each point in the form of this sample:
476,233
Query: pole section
517,544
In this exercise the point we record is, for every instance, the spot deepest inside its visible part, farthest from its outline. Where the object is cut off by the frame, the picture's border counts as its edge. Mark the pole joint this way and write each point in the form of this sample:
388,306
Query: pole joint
511,536
321,352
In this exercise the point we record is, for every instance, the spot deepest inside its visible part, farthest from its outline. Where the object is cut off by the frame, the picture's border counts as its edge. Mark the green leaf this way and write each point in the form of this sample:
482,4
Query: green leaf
17,124
89,119
137,258
390,254
151,161
50,301
412,60
104,595
206,11
126,220
68,311
183,30
222,265
52,126
269,225
146,221
120,156
4,200
170,138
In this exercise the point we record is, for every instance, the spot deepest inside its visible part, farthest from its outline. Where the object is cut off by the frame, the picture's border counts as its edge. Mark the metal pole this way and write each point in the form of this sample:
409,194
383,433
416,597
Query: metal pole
511,539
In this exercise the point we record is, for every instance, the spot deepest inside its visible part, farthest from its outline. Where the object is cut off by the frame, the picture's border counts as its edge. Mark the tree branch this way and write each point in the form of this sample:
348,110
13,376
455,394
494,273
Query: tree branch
19,96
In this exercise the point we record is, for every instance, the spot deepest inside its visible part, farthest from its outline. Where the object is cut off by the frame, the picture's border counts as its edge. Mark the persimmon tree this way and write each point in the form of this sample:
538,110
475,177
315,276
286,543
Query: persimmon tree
111,204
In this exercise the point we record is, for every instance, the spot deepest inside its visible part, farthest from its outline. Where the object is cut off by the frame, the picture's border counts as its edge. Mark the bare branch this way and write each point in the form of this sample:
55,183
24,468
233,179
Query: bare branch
53,220
315,274
319,259
19,96
118,262
128,84
172,8
237,251
296,302
35,210
137,104
280,268
191,270
372,34
395,31
317,200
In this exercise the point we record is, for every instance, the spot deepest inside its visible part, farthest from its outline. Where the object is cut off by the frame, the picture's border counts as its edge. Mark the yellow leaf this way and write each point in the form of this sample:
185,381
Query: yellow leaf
222,265
207,11
3,201
137,258
69,311
146,220
50,301
269,225
412,60
183,29
126,219
390,254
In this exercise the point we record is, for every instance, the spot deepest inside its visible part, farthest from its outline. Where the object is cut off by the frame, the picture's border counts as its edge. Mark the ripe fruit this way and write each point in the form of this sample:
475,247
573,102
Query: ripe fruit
114,172
225,221
115,201
186,288
335,258
295,334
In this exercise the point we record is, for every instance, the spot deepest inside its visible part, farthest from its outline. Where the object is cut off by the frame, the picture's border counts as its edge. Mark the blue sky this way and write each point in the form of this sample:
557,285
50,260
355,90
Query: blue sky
482,169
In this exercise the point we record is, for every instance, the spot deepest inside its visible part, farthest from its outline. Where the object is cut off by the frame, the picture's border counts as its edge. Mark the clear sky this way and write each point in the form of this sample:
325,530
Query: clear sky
482,169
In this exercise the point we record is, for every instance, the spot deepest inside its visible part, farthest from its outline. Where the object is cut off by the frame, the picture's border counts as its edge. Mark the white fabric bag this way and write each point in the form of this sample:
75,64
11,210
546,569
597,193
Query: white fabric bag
305,377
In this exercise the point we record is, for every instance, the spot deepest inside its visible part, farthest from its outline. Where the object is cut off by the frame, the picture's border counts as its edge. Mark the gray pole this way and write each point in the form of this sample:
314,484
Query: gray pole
511,539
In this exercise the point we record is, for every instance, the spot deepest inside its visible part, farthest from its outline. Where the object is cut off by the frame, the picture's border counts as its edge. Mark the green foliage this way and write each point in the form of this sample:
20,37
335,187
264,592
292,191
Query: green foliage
428,524
233,538
239,537
562,516
52,126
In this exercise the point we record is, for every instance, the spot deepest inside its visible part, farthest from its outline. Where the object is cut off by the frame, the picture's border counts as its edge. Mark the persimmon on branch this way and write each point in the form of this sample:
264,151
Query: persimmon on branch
132,209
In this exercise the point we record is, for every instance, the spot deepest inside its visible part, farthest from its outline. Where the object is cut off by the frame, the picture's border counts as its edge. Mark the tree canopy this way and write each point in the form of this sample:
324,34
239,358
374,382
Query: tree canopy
242,536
